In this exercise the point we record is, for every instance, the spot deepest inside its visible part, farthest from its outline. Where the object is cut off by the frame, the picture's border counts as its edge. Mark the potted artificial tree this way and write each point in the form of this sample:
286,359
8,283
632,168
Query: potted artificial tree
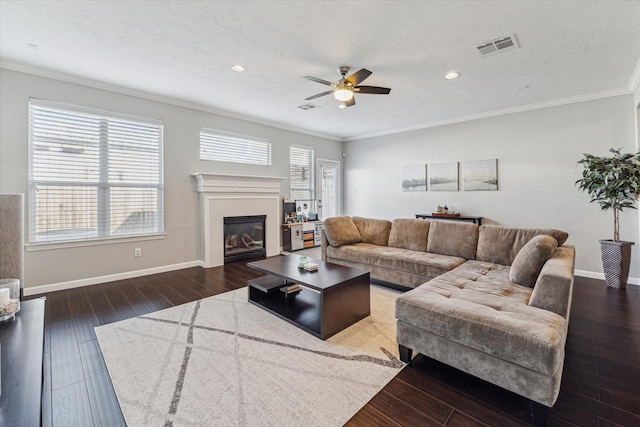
614,183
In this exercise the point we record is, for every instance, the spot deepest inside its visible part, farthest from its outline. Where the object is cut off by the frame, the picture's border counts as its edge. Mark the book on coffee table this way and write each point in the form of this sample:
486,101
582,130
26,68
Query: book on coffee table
311,266
291,288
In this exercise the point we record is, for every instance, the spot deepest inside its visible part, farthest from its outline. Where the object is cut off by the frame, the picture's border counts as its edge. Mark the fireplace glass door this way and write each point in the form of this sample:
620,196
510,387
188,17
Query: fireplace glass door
244,238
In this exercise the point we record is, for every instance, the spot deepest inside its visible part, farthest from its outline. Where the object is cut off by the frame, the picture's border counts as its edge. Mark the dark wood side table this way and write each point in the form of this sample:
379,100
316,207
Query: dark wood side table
22,349
473,219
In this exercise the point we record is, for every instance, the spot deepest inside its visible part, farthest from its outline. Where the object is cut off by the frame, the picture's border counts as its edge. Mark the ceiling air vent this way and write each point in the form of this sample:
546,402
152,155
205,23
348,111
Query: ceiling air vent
500,44
307,106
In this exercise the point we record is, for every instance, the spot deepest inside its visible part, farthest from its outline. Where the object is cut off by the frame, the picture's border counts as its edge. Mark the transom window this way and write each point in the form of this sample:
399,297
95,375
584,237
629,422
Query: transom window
93,174
232,147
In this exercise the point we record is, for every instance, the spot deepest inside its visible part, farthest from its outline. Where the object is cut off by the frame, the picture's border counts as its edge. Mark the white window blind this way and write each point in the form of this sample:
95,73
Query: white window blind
236,148
302,175
93,174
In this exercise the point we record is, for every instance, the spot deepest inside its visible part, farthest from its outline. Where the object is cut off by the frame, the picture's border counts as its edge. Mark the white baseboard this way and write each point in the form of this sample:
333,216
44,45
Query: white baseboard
35,290
594,275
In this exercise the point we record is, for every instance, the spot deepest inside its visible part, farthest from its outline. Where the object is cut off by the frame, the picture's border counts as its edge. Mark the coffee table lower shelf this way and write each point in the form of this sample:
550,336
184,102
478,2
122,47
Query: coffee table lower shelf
319,313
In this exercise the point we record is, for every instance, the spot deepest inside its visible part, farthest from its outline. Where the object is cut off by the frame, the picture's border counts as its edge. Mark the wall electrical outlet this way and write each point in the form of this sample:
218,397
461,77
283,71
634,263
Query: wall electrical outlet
137,252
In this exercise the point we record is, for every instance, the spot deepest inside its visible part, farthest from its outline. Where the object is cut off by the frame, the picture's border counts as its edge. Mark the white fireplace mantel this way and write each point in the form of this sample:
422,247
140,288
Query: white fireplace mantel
225,195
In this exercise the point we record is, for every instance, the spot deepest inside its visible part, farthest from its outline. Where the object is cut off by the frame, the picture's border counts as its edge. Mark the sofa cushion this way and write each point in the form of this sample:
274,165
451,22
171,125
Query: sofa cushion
453,238
529,261
414,262
341,230
409,233
375,231
500,245
477,306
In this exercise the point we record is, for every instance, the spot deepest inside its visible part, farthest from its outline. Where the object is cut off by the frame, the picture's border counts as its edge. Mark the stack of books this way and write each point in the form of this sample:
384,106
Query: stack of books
291,288
311,266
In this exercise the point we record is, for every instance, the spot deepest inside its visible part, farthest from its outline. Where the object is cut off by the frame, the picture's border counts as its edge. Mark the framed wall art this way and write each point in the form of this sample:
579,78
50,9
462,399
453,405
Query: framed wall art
414,178
443,176
480,175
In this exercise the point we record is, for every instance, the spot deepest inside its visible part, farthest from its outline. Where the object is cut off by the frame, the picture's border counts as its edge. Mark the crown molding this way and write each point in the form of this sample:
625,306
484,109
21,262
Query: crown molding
95,84
501,112
634,82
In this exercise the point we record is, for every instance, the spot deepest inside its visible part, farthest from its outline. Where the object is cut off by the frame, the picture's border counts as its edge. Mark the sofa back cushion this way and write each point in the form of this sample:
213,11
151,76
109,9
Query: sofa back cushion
374,231
453,238
500,245
341,230
529,261
409,233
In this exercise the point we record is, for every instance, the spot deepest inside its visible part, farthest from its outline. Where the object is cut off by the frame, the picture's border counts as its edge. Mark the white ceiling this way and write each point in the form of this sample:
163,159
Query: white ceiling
184,51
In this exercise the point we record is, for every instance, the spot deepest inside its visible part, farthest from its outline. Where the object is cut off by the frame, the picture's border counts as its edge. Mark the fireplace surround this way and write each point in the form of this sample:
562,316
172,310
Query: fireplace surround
227,195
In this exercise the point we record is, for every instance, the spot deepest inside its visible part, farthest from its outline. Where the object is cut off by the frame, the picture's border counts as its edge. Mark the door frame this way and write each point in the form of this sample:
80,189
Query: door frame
338,164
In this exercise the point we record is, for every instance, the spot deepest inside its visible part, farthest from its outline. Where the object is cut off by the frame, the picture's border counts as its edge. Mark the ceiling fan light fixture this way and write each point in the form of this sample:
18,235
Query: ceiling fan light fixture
343,93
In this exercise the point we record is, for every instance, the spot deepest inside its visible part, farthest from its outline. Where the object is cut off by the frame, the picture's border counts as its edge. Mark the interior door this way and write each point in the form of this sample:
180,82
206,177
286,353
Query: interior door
328,175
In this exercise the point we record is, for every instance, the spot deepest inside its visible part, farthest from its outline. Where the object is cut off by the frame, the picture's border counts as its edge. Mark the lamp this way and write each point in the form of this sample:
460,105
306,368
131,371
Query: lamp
343,93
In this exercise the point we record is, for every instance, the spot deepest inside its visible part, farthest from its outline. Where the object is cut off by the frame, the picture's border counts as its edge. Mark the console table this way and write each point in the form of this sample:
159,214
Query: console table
473,219
22,346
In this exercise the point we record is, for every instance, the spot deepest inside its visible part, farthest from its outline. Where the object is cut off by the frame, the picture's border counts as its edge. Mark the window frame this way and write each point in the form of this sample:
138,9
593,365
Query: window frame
239,143
103,185
312,178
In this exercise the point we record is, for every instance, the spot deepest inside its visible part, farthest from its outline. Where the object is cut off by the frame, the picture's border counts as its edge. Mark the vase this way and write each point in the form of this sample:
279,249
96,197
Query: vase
616,260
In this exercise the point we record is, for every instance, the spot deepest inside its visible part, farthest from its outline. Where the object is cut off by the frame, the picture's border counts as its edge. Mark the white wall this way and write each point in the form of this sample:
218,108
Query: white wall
181,149
537,153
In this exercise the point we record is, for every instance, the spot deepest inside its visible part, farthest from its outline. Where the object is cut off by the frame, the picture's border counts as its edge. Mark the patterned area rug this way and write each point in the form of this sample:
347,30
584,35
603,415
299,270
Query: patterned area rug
223,361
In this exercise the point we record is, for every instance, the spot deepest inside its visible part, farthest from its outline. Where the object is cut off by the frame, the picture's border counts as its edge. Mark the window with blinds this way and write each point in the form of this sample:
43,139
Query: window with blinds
231,147
302,174
93,174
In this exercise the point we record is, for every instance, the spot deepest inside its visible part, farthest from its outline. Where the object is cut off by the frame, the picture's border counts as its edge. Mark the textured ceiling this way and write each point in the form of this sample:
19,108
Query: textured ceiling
184,50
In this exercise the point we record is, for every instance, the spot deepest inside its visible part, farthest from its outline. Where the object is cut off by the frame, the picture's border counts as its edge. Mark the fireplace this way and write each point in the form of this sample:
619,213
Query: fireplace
244,238
224,195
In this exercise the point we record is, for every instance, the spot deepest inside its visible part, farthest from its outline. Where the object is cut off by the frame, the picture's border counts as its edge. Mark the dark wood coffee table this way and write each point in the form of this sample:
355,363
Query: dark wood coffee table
331,299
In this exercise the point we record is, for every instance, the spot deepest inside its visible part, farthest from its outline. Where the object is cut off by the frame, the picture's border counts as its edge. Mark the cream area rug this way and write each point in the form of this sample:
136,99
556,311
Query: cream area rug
222,361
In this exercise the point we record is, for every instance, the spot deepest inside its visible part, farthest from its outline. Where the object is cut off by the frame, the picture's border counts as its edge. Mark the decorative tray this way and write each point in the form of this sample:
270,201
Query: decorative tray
449,215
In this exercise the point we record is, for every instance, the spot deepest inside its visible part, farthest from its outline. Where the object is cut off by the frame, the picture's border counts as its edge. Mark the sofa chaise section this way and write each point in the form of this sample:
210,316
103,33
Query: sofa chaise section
476,319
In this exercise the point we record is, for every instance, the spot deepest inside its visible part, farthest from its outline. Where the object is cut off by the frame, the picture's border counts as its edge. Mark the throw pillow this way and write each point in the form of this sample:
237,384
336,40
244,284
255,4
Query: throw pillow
529,261
340,230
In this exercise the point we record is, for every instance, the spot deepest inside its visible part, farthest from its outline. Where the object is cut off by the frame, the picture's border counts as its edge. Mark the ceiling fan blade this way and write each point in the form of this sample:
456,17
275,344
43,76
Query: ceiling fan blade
351,102
318,95
372,89
358,76
317,80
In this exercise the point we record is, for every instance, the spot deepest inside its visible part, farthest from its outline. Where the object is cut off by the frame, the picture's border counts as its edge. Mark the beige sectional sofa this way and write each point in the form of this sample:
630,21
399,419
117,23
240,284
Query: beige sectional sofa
491,301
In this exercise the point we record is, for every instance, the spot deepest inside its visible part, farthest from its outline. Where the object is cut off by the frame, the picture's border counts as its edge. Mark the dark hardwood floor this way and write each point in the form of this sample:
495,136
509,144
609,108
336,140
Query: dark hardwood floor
600,386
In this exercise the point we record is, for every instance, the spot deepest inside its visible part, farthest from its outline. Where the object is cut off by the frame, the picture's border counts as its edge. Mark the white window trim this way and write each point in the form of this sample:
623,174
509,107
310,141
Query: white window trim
46,246
104,240
240,137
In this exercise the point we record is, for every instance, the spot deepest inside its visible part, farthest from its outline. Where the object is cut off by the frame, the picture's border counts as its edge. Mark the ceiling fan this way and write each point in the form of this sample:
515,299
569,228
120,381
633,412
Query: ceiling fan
345,88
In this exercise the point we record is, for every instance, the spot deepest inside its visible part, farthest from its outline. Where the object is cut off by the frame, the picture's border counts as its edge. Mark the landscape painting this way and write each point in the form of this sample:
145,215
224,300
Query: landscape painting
480,175
414,178
443,176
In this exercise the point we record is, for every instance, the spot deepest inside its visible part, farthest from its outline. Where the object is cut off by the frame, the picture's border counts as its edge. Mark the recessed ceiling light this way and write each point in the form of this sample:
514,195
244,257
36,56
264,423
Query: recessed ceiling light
452,75
238,68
